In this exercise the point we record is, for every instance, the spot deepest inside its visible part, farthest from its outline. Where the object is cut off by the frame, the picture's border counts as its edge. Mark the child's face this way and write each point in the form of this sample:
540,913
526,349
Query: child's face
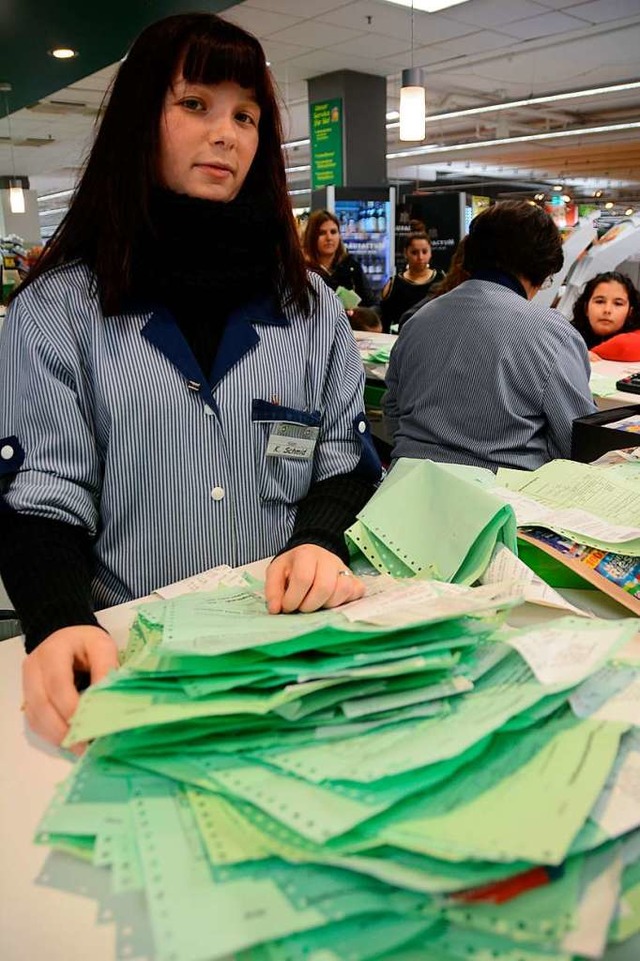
608,309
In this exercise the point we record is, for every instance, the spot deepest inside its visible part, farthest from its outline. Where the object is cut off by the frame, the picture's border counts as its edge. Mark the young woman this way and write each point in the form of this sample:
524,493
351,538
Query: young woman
327,255
607,314
455,275
413,284
143,394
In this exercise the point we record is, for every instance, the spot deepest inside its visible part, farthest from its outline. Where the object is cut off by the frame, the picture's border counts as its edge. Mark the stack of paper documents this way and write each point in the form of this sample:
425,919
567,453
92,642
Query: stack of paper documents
581,501
404,778
438,520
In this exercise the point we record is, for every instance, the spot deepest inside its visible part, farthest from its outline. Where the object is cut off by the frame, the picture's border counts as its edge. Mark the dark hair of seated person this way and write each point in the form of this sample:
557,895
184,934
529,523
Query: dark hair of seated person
365,318
580,320
516,238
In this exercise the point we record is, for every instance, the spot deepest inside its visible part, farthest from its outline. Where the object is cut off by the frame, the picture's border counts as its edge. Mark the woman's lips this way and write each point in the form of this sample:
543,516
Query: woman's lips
217,171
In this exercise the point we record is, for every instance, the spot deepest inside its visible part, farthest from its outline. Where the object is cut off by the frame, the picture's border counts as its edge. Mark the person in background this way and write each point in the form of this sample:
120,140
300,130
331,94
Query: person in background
413,284
607,315
142,395
455,275
365,318
483,375
327,255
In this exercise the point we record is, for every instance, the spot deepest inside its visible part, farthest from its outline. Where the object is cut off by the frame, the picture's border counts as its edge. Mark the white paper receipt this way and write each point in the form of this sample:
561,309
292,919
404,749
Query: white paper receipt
567,650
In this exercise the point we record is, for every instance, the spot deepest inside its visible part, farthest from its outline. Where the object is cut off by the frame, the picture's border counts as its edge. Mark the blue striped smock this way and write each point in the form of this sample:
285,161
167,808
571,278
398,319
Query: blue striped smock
482,376
107,422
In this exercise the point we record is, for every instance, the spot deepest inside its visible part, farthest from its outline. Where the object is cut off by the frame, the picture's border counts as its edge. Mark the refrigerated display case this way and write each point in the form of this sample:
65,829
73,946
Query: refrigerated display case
367,220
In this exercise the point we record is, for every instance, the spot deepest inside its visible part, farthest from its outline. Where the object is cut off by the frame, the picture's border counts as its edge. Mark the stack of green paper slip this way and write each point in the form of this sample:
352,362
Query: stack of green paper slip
436,520
403,778
580,501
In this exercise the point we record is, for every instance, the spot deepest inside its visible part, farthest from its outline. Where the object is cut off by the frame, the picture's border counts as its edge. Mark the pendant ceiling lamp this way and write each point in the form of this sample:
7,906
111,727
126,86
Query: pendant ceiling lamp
412,100
16,193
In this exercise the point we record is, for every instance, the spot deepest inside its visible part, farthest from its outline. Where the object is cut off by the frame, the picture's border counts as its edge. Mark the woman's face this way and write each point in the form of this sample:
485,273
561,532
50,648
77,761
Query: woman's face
328,239
208,138
418,255
608,308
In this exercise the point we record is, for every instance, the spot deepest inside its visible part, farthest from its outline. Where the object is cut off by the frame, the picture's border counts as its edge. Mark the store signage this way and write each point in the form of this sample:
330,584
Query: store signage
325,122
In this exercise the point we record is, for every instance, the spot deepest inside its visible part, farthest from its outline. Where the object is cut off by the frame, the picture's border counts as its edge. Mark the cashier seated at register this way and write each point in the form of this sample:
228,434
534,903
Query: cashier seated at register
483,375
607,314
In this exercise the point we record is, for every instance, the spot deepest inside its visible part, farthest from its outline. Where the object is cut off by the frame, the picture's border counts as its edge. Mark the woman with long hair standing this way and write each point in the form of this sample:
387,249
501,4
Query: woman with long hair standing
326,254
144,395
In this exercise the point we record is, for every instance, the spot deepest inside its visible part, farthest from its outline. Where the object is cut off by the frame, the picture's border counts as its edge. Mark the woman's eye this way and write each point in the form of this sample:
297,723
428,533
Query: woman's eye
192,103
246,118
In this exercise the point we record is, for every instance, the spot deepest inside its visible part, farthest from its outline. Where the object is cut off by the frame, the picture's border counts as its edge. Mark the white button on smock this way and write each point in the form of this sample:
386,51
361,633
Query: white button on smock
217,493
362,427
6,452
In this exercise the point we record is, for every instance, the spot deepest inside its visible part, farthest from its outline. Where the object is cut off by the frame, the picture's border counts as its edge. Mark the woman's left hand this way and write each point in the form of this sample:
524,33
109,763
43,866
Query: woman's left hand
307,578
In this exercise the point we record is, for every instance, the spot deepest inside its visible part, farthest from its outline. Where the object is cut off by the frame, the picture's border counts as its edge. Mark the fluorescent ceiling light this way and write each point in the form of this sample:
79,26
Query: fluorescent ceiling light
54,210
304,190
530,102
474,145
427,6
393,115
296,143
298,170
54,196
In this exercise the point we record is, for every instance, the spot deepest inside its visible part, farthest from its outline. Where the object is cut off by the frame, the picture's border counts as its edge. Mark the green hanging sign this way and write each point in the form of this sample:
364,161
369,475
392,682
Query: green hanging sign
325,121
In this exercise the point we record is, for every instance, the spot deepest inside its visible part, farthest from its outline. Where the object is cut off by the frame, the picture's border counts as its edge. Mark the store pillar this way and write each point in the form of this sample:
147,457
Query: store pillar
347,117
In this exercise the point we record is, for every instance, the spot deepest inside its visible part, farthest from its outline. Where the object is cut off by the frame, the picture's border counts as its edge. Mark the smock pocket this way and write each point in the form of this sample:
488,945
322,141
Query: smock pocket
284,442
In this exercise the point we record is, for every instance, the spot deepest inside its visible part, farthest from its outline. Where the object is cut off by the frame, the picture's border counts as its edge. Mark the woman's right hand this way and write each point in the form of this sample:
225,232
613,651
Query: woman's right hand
50,695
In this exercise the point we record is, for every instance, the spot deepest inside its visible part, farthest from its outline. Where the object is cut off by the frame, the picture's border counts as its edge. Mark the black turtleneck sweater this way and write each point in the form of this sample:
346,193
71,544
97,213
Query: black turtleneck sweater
47,565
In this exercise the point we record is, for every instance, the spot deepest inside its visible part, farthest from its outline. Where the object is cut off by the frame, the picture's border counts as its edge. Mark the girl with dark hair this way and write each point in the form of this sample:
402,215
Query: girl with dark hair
413,284
326,254
607,314
145,395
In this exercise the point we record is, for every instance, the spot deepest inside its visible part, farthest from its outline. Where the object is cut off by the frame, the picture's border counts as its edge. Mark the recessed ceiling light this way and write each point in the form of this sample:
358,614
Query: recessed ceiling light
566,198
557,187
608,205
597,193
628,211
539,197
63,53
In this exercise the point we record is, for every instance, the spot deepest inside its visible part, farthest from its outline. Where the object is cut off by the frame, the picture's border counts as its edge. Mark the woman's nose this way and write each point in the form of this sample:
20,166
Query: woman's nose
223,131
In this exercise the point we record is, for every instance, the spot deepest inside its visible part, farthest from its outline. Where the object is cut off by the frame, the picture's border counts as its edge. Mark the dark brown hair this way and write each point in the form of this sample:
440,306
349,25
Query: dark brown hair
110,207
516,237
310,243
416,235
580,320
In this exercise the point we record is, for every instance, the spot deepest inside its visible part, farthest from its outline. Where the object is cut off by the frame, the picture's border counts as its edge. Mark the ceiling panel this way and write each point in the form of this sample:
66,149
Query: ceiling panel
371,45
605,11
494,13
482,41
262,22
543,26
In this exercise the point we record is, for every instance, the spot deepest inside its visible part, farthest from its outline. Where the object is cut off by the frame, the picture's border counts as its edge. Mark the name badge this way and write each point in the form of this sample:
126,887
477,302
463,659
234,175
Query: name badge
292,440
